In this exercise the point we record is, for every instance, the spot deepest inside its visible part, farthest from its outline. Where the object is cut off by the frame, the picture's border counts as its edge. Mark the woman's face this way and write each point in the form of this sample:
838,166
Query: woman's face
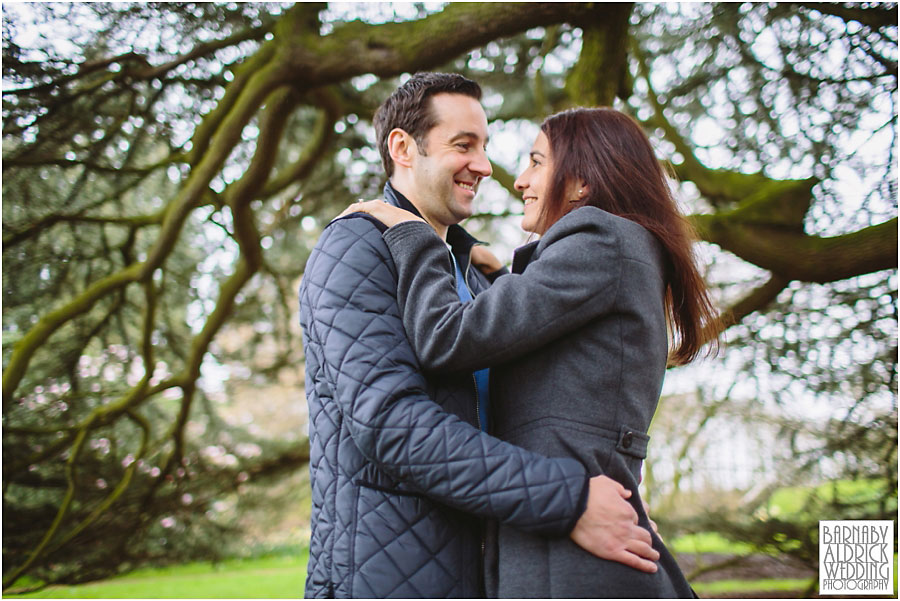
534,182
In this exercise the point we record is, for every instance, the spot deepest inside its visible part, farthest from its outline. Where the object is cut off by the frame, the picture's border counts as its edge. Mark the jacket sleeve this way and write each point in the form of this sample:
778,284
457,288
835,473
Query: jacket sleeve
574,280
350,313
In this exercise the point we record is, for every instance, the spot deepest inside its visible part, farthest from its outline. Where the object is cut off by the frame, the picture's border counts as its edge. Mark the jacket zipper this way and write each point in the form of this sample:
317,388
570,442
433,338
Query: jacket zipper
481,427
481,579
466,275
477,404
474,381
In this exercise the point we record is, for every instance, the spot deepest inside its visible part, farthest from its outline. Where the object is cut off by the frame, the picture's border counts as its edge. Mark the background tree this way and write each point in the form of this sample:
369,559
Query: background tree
167,170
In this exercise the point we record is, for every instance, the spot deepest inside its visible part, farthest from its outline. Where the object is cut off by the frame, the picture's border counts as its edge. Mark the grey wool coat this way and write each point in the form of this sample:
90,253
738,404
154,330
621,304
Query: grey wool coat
576,337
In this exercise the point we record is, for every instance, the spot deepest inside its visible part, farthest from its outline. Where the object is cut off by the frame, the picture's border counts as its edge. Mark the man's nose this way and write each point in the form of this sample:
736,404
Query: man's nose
481,164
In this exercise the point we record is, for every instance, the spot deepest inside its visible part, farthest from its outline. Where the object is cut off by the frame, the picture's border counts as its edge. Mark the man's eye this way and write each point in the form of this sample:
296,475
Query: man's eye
463,146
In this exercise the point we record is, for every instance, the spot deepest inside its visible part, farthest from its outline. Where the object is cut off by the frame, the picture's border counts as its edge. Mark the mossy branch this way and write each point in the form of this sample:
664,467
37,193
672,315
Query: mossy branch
756,300
177,212
717,185
794,255
38,552
25,348
321,138
596,78
504,178
204,132
389,49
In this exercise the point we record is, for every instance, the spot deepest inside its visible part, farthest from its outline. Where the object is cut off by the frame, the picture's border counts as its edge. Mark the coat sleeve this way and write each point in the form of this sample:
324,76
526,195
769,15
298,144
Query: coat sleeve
351,320
574,280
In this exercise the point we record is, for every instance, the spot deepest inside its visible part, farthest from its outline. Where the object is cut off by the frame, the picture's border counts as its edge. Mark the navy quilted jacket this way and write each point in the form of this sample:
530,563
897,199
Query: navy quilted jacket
400,475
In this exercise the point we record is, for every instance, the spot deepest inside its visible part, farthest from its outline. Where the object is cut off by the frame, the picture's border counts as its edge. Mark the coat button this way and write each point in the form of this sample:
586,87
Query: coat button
627,439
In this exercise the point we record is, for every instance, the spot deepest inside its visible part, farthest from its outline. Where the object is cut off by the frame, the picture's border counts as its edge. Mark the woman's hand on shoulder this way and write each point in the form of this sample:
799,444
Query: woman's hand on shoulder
382,211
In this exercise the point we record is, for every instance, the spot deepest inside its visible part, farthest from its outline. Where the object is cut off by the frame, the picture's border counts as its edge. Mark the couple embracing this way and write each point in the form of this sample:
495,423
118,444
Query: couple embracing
477,431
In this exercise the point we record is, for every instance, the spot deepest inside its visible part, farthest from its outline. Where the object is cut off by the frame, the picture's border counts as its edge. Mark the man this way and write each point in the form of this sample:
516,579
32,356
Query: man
402,473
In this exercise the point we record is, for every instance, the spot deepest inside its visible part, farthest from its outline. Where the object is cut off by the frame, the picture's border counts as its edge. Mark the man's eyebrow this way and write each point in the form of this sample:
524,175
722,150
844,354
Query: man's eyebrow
470,135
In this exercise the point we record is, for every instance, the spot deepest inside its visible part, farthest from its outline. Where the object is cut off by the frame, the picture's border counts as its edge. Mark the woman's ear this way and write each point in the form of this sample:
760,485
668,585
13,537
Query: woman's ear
401,147
577,190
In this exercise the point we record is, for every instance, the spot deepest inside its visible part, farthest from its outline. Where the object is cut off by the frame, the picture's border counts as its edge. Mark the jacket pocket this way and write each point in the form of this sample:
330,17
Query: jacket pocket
393,490
405,546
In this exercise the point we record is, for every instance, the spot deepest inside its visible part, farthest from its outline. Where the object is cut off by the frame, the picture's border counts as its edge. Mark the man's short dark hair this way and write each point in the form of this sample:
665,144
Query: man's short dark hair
409,109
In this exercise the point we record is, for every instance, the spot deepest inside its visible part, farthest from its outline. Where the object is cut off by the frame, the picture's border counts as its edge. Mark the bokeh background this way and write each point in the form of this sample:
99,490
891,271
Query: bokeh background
167,168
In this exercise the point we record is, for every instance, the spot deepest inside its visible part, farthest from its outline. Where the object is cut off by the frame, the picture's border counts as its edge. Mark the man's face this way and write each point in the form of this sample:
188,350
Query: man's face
446,178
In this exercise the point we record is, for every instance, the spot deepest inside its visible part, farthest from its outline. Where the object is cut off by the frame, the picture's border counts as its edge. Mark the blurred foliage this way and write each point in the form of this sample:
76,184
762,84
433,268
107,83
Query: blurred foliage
167,169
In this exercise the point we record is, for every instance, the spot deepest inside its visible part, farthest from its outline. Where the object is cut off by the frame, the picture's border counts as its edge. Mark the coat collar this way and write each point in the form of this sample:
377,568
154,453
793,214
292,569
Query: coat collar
522,256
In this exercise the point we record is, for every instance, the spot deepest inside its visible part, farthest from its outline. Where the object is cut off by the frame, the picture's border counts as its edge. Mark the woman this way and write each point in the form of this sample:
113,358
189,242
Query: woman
576,336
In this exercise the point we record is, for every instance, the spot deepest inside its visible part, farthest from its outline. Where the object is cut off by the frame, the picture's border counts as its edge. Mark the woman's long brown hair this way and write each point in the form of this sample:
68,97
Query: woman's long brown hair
609,152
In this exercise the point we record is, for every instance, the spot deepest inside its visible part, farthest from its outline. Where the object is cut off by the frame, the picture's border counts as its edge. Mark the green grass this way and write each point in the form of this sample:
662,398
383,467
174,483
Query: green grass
708,542
265,578
712,589
790,500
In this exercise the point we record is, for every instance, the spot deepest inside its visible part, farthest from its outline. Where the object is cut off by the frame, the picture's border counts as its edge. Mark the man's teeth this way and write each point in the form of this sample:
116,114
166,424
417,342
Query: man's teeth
464,186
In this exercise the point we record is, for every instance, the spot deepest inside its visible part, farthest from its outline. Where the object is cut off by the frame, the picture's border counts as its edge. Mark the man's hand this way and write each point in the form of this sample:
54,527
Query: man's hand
485,260
609,527
652,523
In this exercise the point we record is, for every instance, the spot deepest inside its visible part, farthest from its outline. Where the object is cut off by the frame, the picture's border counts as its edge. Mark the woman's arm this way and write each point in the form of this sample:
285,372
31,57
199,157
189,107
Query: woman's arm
573,281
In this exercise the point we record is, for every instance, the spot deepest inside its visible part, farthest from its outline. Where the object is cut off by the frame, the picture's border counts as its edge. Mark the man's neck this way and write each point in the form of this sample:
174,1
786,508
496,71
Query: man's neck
408,190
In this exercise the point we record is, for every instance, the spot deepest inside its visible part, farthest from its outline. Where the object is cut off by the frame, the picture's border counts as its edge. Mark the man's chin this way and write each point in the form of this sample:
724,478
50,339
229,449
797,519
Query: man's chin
461,211
462,215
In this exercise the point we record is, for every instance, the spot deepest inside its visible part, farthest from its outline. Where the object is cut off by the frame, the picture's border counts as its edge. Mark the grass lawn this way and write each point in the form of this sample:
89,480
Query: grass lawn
749,588
282,577
266,578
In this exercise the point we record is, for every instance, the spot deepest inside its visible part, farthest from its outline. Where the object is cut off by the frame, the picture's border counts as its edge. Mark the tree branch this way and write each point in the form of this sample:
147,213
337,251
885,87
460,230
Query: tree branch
597,76
389,49
321,138
756,300
872,16
257,89
504,178
793,255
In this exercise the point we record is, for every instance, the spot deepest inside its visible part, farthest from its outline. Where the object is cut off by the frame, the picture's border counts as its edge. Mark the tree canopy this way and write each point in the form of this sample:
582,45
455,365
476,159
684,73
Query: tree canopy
167,169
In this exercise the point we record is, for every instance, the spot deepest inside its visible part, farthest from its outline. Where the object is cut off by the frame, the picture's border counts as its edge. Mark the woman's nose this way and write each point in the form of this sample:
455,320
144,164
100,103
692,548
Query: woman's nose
519,184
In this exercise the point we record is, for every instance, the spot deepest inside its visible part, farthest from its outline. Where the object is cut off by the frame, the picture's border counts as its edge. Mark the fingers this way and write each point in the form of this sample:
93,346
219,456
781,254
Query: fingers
361,206
655,529
642,549
606,481
636,562
639,553
642,536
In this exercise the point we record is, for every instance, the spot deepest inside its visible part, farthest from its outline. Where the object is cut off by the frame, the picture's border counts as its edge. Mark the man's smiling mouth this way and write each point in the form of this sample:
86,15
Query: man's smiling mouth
465,186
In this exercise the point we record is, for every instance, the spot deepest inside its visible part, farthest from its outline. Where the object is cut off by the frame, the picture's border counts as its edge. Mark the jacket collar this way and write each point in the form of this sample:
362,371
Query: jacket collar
522,256
460,241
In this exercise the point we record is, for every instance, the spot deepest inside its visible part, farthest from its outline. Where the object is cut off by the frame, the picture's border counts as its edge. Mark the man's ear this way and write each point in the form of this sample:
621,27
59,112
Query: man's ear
401,147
